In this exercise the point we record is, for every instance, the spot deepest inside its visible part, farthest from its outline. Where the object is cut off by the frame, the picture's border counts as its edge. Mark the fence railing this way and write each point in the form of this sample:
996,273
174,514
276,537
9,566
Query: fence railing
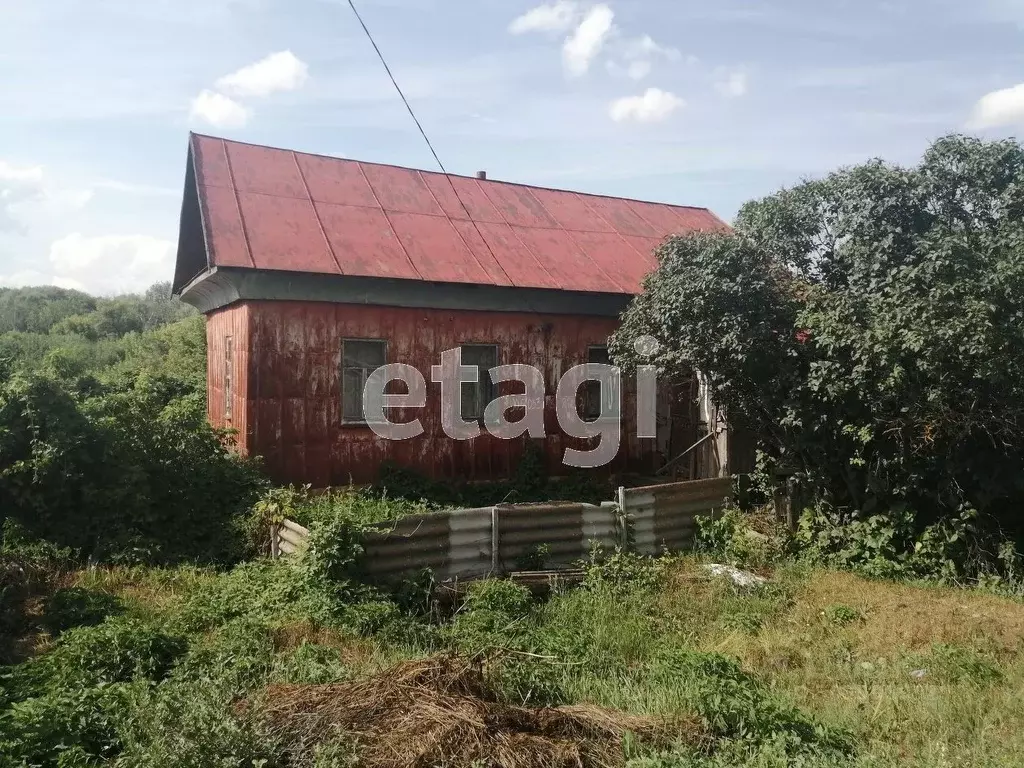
470,543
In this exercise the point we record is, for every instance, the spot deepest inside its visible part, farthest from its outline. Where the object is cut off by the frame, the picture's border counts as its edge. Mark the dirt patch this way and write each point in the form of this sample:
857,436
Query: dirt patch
441,712
897,616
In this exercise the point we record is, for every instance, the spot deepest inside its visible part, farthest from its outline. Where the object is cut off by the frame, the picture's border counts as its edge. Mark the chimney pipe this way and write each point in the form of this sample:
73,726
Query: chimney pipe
482,175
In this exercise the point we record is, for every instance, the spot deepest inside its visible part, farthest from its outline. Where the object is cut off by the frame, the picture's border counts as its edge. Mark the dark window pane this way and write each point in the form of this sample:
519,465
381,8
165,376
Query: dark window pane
598,355
360,358
476,396
592,389
365,354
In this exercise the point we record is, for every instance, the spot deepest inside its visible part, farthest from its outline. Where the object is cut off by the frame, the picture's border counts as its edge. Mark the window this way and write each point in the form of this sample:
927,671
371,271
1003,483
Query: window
476,396
592,389
360,358
229,378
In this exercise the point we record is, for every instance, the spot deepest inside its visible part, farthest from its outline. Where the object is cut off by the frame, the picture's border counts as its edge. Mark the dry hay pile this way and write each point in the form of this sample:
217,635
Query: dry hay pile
440,712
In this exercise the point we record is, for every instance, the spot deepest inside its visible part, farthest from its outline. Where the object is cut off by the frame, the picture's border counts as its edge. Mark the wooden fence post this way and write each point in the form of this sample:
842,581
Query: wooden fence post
275,550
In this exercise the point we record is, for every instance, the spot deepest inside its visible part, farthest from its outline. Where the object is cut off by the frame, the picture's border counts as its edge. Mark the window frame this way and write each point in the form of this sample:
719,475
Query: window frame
361,421
483,380
229,376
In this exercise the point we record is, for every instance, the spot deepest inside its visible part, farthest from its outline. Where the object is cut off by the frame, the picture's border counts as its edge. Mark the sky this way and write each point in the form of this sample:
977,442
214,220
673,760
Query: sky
708,104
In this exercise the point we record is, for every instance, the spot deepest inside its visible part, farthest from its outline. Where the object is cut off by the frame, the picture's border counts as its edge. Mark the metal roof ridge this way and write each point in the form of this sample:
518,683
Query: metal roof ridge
459,175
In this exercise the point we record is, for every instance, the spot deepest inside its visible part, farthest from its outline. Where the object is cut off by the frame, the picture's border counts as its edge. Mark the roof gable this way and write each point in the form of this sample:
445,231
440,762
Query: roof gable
273,209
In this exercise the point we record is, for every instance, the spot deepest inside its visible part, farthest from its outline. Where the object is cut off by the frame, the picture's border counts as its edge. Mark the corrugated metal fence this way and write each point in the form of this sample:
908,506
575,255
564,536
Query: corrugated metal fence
470,543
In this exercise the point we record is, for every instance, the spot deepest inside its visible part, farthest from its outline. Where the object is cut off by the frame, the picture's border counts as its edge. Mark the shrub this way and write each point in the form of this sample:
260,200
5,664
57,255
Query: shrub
263,590
625,572
237,657
731,537
841,615
189,724
500,597
311,664
894,545
115,651
67,726
77,607
736,706
129,475
866,327
954,664
527,681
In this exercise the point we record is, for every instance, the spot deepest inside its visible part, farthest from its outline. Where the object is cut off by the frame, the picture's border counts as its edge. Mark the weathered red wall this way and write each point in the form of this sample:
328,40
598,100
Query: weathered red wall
231,321
293,395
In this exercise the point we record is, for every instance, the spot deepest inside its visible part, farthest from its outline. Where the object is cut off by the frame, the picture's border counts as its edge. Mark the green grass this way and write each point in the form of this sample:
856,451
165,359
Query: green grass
819,669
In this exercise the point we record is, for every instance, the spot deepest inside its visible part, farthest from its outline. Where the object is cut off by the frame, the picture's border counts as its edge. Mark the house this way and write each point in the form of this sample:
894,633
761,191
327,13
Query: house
312,271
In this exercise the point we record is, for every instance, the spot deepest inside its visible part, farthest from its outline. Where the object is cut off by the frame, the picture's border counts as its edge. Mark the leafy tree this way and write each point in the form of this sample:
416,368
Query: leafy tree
104,443
39,308
869,325
131,474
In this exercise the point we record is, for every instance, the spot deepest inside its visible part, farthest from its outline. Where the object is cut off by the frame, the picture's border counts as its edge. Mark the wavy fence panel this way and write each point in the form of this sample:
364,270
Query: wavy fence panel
664,517
288,538
535,536
470,543
450,544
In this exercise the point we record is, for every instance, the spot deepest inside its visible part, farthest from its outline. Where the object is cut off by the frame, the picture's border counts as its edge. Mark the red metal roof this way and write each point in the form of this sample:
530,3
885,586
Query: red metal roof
275,209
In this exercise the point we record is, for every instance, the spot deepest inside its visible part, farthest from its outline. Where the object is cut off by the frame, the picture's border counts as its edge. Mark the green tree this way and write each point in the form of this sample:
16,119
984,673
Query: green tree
869,325
39,308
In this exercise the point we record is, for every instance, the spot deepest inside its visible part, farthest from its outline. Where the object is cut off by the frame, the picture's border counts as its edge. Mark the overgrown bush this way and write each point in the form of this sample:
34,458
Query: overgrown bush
960,548
737,707
76,607
123,475
734,538
189,724
867,327
530,482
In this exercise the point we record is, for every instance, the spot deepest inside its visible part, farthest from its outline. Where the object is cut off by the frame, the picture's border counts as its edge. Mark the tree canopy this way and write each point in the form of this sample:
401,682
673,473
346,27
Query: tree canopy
869,326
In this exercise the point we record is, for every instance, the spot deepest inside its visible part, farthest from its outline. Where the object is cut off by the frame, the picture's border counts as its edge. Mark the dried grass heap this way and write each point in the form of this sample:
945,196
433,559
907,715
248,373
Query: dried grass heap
440,712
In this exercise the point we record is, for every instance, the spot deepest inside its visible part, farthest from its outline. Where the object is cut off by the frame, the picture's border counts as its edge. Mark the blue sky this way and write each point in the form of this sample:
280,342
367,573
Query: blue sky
671,100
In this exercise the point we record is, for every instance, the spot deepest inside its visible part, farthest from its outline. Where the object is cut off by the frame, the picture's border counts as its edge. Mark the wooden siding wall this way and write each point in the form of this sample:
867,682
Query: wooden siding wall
230,322
294,388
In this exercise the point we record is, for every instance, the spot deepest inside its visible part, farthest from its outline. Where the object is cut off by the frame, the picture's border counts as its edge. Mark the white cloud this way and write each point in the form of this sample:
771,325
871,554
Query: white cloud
220,111
555,17
9,172
654,105
998,108
28,199
646,46
636,57
110,264
281,71
638,70
587,40
733,84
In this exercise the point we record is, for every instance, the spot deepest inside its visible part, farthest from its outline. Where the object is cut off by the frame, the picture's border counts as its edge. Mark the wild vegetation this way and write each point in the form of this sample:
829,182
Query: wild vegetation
866,327
647,663
104,445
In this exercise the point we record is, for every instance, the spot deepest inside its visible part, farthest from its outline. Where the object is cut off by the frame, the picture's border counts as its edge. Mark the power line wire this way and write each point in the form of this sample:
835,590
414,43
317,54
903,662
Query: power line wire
398,88
423,133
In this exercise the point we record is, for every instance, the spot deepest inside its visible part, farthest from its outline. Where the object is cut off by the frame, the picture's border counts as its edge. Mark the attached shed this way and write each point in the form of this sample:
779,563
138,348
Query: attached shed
313,270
